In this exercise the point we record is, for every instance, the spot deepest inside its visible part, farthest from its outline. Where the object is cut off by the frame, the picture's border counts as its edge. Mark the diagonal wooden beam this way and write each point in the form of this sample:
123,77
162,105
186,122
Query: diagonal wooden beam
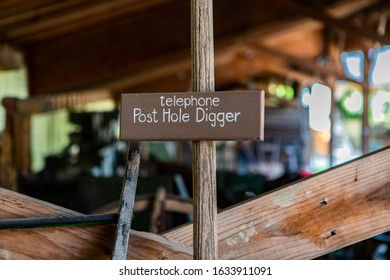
172,64
56,25
305,220
309,218
92,242
302,221
380,6
329,20
35,12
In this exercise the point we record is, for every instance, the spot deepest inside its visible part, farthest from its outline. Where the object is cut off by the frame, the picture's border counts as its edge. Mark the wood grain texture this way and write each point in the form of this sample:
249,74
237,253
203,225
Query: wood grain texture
91,242
126,205
309,218
205,237
302,221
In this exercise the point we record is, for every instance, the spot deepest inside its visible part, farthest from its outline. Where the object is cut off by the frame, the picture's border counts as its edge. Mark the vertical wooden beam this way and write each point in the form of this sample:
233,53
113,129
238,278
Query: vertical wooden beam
22,143
365,125
7,156
366,94
203,152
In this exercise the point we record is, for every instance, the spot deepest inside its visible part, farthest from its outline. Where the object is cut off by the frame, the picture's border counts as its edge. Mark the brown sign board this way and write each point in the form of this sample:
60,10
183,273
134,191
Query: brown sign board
192,116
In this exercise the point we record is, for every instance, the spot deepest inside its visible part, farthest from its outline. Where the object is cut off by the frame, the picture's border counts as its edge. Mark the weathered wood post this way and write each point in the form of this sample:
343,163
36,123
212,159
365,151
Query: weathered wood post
202,116
203,152
127,201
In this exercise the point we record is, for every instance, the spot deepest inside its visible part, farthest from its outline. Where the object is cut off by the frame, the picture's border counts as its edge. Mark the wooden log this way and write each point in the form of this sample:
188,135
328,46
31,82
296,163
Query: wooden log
92,242
203,152
309,218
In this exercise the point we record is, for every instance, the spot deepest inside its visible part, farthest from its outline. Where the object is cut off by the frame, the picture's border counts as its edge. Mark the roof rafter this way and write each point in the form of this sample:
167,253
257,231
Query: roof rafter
55,25
324,17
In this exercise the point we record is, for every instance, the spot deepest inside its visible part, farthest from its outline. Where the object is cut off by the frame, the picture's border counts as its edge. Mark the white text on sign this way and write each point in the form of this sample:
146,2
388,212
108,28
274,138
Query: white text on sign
173,110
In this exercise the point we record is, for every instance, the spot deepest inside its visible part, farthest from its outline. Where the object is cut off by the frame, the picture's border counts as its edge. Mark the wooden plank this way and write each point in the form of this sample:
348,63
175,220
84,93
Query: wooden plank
295,222
234,115
94,242
204,182
309,218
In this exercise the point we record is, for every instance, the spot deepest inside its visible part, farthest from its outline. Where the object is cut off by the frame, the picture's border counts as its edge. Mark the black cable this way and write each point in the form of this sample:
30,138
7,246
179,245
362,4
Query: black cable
60,221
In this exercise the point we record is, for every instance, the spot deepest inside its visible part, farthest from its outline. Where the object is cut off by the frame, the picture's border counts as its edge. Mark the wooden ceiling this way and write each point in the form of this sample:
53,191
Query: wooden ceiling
144,46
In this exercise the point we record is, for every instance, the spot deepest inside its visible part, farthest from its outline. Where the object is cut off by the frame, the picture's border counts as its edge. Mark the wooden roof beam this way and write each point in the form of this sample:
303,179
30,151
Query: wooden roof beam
120,70
52,26
332,21
381,6
305,64
33,13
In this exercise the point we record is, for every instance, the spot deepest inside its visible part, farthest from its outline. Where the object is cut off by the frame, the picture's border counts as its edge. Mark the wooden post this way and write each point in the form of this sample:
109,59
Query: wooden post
127,201
203,152
22,134
366,95
365,124
8,178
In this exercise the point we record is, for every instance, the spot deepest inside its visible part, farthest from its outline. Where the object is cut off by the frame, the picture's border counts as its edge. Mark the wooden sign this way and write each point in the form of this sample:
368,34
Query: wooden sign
193,116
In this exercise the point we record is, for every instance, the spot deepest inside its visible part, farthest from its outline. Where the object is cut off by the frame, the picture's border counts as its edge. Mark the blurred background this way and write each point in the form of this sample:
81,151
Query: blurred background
63,65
